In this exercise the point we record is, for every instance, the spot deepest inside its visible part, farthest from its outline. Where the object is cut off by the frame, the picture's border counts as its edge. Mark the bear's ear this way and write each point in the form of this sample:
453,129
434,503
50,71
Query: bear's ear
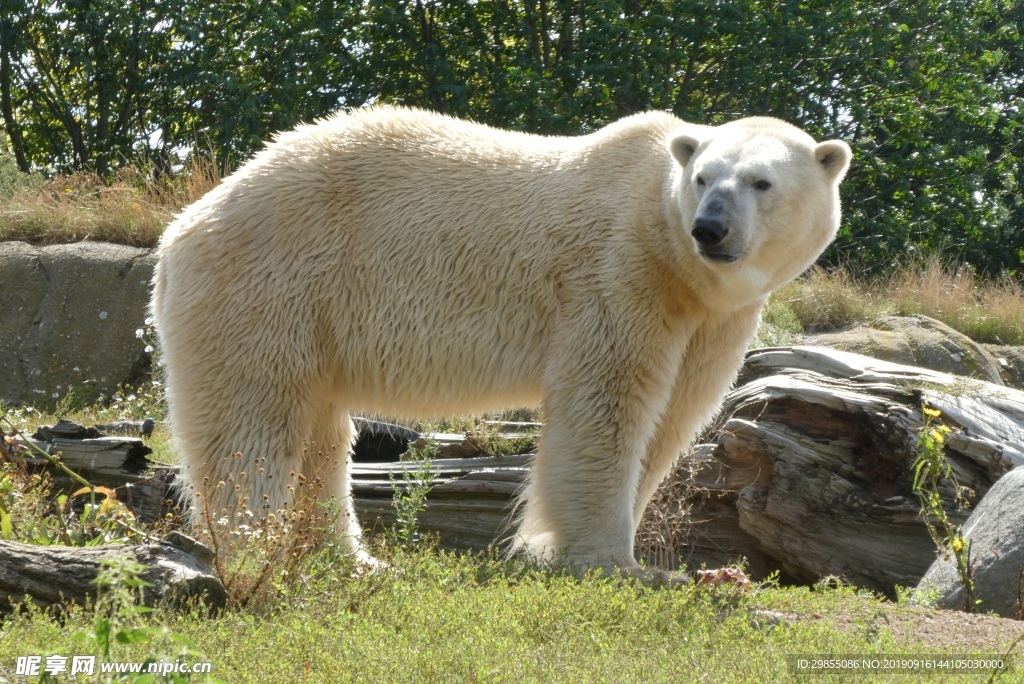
683,147
834,157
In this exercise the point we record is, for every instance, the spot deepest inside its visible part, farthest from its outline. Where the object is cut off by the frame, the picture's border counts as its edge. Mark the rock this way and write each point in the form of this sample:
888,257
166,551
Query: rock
1011,362
916,341
996,533
69,315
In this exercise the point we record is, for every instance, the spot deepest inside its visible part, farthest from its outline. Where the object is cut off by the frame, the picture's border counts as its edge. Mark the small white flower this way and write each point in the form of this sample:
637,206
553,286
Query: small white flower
149,320
149,349
139,332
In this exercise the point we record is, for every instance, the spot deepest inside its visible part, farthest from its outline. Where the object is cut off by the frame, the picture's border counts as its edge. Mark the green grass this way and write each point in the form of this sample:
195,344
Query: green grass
453,618
433,616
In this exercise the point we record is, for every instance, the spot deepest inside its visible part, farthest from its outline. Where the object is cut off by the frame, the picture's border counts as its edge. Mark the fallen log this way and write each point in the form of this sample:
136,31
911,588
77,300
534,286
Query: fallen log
469,505
809,470
119,463
176,572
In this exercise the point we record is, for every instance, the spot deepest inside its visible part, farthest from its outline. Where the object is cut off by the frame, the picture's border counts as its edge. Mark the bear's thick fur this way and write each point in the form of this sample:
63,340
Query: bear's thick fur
403,262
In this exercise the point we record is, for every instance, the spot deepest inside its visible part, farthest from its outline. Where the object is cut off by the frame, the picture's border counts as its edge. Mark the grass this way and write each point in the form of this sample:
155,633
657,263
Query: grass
435,616
440,617
984,310
130,208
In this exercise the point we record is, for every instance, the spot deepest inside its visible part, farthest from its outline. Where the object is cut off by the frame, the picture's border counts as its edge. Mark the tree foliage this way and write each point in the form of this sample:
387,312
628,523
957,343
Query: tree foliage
928,92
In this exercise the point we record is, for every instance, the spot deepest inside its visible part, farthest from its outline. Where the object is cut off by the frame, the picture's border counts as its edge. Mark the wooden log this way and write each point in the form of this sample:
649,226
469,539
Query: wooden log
807,471
60,575
119,463
812,459
469,506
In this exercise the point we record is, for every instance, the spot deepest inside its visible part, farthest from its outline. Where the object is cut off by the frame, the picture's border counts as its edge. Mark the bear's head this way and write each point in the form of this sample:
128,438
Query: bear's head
759,200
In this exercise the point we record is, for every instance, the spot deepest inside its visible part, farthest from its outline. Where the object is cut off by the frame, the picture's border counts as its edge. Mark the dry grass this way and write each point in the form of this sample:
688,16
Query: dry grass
667,529
984,310
826,300
131,208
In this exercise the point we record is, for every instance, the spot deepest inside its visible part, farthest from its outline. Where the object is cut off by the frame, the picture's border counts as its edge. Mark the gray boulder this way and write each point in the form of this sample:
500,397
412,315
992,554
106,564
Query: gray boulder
1011,362
916,341
996,532
68,316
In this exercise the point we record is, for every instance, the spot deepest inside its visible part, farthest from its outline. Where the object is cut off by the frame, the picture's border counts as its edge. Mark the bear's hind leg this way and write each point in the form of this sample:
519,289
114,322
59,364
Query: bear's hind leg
235,471
326,481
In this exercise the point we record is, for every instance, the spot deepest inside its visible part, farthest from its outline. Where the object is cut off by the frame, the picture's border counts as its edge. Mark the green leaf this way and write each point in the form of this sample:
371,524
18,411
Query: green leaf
6,527
102,631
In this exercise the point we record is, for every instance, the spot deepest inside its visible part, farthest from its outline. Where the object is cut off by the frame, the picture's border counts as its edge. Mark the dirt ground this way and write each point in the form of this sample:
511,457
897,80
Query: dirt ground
946,631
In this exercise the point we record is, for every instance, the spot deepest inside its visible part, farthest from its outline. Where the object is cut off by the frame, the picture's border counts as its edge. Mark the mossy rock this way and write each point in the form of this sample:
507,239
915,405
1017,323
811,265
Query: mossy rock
917,341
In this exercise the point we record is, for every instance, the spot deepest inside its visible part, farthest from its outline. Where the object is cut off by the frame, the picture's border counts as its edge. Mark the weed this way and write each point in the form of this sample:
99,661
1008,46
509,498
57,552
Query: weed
925,596
667,527
120,620
779,325
410,499
259,552
930,468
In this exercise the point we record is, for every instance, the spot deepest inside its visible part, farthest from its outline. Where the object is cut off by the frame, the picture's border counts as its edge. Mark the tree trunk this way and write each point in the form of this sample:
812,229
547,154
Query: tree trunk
6,107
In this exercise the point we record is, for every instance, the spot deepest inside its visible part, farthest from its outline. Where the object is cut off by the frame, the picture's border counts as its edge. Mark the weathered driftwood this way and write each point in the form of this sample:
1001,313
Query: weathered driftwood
469,505
60,575
120,463
810,469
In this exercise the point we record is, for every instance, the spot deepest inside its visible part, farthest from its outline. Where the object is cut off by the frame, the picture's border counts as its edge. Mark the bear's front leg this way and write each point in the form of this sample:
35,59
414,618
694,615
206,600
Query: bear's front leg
712,358
604,388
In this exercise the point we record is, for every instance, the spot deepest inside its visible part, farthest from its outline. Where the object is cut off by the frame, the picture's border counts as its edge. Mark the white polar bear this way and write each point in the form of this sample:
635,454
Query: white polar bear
403,262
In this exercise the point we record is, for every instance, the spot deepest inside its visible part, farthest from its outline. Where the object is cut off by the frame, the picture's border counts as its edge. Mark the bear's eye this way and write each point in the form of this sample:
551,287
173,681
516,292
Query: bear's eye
763,185
700,181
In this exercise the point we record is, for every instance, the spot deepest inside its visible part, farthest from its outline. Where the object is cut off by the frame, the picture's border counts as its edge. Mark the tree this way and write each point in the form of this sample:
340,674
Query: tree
928,92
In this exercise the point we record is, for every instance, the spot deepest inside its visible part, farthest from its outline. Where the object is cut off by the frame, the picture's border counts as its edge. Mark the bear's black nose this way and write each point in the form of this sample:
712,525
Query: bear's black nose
708,231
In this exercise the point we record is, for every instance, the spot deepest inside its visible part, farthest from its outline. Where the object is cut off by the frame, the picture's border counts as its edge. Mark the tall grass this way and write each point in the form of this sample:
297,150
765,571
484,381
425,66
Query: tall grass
131,208
984,310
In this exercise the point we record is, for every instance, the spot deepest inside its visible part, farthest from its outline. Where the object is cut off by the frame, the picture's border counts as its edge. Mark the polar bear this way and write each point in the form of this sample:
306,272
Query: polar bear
402,262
